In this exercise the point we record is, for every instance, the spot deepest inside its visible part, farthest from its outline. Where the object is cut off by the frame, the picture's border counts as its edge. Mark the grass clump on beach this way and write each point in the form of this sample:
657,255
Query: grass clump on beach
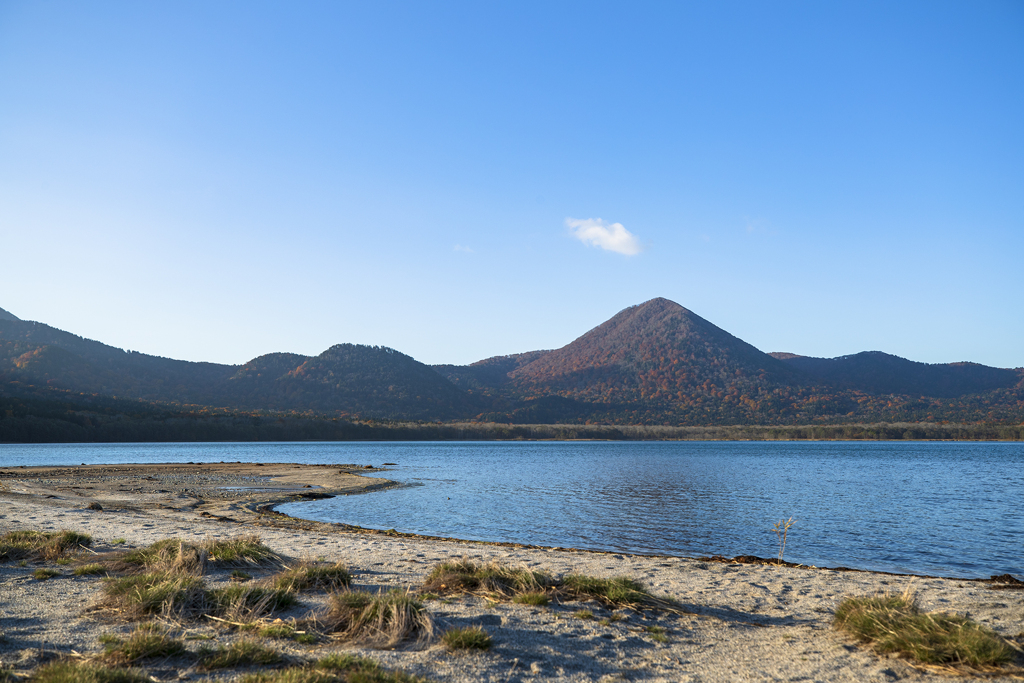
148,640
344,668
41,545
178,555
468,638
381,620
244,551
245,603
895,624
239,653
91,569
45,573
491,579
616,592
312,576
168,555
80,672
284,631
165,593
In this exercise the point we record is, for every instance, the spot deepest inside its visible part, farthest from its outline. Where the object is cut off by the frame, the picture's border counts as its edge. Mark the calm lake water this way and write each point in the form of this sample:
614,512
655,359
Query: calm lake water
948,509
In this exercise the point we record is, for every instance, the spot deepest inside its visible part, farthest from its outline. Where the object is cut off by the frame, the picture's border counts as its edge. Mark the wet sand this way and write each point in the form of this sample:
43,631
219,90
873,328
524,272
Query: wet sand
745,622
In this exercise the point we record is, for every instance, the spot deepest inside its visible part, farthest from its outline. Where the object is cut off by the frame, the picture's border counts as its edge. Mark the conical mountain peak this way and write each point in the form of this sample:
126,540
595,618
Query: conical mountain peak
656,350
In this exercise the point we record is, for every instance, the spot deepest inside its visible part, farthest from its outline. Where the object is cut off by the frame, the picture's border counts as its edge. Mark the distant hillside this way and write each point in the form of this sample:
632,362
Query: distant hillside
490,373
652,364
38,353
345,379
881,373
351,379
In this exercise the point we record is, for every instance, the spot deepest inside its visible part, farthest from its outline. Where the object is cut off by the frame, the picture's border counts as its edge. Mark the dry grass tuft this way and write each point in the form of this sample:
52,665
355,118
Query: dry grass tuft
312,576
80,672
171,555
181,556
895,624
491,579
248,603
381,620
148,641
41,545
241,552
160,593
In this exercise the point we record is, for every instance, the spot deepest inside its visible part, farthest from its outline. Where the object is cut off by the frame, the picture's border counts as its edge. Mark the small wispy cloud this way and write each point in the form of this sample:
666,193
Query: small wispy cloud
594,232
459,247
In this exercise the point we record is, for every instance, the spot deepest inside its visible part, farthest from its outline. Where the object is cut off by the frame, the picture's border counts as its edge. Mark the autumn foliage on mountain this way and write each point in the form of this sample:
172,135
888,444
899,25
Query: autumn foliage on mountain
652,364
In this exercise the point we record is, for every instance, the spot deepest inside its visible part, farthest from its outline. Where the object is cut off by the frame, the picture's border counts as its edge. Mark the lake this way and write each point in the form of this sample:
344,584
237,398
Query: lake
946,509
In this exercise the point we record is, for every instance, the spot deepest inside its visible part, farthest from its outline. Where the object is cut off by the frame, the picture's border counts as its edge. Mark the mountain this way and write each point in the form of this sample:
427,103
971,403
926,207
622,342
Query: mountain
658,352
367,381
881,373
654,363
351,379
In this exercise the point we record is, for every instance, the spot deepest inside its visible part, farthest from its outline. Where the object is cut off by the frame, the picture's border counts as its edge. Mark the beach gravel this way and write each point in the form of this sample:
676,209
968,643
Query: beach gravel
738,622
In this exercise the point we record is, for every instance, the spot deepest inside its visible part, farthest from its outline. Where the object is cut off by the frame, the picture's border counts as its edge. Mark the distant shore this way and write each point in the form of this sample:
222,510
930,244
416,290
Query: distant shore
65,427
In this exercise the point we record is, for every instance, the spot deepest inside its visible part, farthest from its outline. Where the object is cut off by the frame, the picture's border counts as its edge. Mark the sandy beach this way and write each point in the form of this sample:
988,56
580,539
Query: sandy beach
740,622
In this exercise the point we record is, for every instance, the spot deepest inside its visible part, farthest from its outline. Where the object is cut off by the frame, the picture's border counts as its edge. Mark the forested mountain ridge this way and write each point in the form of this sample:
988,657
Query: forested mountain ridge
882,373
655,363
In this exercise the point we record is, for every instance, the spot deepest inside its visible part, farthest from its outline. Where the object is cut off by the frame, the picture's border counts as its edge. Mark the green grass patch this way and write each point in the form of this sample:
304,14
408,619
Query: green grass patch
78,672
90,569
468,638
344,668
148,640
41,545
896,625
239,653
239,576
491,579
312,576
535,599
584,614
381,620
616,592
45,573
657,634
287,632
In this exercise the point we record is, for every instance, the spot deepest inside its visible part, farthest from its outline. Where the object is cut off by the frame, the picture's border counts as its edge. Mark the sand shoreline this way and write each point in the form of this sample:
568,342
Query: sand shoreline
746,621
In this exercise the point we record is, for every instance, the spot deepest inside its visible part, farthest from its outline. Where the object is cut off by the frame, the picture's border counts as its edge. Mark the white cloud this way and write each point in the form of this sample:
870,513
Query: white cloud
594,232
459,247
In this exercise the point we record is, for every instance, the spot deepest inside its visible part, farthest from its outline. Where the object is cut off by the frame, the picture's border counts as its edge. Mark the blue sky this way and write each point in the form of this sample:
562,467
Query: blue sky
215,181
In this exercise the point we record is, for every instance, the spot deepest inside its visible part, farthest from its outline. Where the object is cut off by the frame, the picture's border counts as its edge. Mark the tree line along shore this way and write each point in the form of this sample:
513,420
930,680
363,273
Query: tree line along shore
115,421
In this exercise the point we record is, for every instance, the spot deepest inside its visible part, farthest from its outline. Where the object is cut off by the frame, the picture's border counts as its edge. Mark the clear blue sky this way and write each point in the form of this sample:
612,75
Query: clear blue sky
218,180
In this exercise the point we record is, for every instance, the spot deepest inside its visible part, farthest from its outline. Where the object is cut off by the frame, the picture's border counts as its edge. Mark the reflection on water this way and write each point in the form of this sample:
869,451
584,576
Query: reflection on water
933,508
